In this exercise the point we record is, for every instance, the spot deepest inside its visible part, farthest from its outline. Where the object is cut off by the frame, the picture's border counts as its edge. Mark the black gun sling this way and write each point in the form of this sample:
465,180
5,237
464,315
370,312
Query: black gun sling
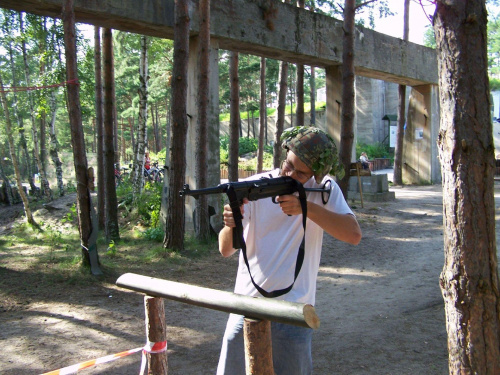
235,206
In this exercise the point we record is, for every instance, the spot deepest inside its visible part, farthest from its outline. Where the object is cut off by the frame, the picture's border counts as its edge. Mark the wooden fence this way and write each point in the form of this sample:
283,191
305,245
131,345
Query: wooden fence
258,313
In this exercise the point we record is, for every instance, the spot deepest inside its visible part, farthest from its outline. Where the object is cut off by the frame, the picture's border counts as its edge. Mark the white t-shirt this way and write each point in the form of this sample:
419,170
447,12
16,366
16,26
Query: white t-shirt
273,238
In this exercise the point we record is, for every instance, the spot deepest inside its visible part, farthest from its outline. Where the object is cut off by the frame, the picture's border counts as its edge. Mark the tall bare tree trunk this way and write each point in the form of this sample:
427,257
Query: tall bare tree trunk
299,111
45,187
43,115
54,145
175,226
156,126
132,137
101,199
111,202
280,122
8,188
347,120
313,96
202,220
18,117
234,118
10,138
123,146
262,115
88,231
469,280
138,171
398,151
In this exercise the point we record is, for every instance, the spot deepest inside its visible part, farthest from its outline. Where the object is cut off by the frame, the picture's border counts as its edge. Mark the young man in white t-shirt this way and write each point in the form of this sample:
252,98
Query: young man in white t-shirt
273,233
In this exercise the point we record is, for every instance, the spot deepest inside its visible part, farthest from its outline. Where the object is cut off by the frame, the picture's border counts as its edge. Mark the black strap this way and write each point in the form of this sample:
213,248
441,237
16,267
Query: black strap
238,234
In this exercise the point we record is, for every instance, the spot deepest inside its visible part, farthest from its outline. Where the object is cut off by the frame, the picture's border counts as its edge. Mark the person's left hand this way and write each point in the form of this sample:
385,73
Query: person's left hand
290,204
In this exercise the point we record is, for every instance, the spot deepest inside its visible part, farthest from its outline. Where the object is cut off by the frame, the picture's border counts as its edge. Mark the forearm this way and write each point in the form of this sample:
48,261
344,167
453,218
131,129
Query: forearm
226,242
343,227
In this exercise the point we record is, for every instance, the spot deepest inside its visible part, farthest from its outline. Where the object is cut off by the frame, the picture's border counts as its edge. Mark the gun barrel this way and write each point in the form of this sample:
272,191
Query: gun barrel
197,192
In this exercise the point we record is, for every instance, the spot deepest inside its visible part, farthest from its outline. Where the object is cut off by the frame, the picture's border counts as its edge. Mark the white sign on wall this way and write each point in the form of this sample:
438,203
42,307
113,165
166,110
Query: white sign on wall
419,133
392,136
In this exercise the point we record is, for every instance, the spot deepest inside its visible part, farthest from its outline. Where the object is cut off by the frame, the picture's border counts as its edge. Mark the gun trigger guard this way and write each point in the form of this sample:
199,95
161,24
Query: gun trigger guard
274,200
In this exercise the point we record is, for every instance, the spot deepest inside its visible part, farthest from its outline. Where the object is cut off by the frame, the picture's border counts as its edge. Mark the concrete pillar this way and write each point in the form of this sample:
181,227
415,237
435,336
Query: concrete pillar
334,106
420,154
213,161
334,102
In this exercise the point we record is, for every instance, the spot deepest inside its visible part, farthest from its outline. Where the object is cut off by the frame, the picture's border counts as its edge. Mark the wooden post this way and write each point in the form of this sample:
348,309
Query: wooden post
258,347
156,335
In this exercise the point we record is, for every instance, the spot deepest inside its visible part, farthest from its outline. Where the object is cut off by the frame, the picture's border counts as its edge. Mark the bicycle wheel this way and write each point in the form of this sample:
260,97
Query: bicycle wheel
159,176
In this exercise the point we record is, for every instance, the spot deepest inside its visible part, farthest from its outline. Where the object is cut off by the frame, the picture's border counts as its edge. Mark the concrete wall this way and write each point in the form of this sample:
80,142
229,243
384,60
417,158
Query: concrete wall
420,154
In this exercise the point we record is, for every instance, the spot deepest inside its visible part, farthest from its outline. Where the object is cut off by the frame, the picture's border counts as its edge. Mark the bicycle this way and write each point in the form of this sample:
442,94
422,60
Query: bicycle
120,176
155,174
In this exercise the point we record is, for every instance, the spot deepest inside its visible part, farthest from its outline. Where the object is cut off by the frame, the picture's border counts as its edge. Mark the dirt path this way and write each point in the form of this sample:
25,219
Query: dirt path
379,303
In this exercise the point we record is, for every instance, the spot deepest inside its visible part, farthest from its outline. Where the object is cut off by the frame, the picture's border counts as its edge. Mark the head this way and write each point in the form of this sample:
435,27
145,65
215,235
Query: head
314,149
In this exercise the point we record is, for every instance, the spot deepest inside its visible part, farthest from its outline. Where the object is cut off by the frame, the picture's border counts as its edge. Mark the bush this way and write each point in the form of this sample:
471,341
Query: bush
246,145
376,150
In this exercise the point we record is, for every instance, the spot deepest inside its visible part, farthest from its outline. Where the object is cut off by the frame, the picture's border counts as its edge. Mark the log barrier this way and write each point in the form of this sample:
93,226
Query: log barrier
258,313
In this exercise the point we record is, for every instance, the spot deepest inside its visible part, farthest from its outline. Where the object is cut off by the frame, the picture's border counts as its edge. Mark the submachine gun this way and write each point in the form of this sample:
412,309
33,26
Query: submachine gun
259,189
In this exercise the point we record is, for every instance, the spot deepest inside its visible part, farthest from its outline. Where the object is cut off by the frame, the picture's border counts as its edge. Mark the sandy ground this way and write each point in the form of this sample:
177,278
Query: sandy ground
379,303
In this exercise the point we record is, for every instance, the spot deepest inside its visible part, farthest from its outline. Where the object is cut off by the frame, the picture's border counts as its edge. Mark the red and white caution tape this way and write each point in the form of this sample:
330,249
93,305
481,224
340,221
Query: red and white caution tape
150,347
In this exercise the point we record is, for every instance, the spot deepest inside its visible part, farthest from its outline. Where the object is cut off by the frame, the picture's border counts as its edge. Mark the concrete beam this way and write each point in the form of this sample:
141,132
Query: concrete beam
288,33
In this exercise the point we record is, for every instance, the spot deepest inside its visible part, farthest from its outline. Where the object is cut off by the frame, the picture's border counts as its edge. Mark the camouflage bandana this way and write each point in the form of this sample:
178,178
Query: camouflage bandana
315,148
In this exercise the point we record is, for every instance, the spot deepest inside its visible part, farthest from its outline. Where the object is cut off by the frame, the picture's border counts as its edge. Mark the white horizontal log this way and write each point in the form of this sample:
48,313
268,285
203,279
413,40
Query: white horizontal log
251,307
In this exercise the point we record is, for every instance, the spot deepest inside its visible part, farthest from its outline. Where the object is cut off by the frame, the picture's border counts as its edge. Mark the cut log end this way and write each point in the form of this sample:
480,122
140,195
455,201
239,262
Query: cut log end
310,317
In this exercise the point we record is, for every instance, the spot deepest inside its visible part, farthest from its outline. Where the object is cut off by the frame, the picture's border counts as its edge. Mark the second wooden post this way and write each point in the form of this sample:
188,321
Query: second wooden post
258,347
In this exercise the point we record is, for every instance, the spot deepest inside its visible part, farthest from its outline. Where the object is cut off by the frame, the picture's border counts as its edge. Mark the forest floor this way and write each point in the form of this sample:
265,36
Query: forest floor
379,303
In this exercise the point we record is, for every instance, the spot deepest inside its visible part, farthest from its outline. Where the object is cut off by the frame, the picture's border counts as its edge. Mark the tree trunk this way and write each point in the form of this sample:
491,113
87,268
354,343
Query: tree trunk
19,120
101,199
262,115
6,182
398,151
299,109
202,217
174,232
280,122
156,128
469,280
54,145
111,202
132,137
123,146
234,127
347,120
313,96
10,138
138,170
83,199
44,183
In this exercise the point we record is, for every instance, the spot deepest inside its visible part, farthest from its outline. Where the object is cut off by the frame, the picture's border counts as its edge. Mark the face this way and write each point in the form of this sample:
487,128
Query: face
294,167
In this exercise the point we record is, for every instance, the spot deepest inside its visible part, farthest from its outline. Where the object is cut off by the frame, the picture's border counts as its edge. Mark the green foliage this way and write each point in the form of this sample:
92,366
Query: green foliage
70,188
494,84
376,150
429,37
245,146
71,215
111,251
154,234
